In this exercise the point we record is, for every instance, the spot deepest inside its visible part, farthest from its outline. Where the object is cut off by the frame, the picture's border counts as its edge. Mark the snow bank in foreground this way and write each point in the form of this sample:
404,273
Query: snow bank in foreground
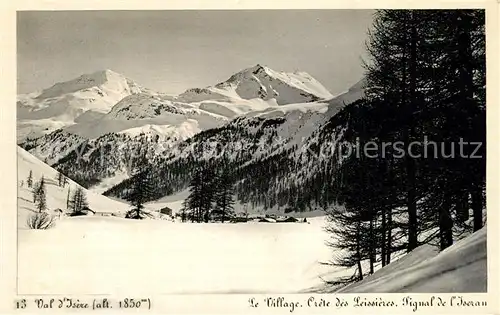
460,268
108,255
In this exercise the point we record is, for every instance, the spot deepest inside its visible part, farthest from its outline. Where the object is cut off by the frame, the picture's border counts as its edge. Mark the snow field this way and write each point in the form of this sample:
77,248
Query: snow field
116,256
112,255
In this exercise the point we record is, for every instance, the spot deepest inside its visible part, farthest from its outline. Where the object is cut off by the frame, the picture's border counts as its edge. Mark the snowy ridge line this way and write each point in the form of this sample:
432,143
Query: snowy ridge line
165,129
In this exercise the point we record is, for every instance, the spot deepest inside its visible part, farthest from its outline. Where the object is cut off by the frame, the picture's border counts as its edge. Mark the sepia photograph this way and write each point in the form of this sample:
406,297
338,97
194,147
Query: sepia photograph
251,151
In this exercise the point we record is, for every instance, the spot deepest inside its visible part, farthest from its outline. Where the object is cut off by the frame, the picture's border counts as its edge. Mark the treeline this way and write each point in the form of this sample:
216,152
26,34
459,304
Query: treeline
425,90
211,196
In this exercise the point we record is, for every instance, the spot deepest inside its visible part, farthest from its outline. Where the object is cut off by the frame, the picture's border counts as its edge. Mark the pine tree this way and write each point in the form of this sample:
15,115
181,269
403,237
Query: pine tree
142,191
425,77
35,191
347,225
224,196
78,201
62,180
29,181
200,202
393,79
184,214
59,179
462,102
208,189
191,205
68,200
40,192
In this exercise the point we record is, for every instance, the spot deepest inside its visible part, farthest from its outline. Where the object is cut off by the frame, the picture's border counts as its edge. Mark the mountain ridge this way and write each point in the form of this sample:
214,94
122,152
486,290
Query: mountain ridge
89,96
262,82
78,103
160,124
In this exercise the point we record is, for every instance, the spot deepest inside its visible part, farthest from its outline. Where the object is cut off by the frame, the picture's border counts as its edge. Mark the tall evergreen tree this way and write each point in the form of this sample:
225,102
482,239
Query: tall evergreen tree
192,204
60,179
183,211
463,105
41,198
224,202
199,204
68,200
348,226
394,80
29,181
142,190
78,201
425,78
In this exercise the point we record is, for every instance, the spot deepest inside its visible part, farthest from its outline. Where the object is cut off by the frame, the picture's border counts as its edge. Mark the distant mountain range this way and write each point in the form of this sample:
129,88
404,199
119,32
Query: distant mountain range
91,128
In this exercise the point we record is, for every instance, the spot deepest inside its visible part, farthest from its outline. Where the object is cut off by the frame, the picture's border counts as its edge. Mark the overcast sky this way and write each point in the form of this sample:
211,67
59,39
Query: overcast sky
171,51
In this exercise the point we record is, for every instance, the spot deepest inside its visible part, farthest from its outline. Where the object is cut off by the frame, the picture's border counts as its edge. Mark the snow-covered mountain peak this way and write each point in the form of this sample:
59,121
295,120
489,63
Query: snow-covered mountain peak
88,96
255,70
105,80
265,83
246,74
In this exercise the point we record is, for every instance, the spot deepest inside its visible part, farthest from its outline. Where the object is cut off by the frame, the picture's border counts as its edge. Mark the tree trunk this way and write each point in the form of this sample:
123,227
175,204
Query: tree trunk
383,239
389,237
372,248
224,206
406,107
445,223
360,270
466,72
462,204
358,250
206,215
410,162
411,205
477,206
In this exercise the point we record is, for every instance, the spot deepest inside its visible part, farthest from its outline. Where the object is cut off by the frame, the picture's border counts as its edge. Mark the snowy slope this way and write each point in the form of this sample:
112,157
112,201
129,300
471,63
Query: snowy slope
56,196
461,268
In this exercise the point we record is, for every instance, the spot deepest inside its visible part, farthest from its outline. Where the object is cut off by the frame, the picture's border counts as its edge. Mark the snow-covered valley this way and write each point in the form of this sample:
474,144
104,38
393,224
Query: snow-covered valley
101,253
113,255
